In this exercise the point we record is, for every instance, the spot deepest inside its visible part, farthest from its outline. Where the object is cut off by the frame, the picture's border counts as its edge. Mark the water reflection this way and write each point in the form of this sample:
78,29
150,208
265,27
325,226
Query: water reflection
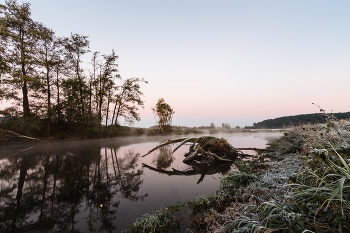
49,192
129,176
164,158
99,185
196,169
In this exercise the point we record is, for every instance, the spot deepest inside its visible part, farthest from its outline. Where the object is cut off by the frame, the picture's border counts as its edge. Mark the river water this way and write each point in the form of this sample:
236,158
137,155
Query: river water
101,185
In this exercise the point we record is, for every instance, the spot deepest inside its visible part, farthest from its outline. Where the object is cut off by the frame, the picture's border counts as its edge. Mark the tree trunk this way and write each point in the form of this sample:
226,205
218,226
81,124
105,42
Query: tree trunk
80,87
120,103
108,98
58,96
115,107
118,112
100,111
48,100
81,95
90,99
26,110
100,103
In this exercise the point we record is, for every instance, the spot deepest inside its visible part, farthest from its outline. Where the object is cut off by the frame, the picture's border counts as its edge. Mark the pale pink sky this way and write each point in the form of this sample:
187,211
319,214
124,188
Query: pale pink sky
237,62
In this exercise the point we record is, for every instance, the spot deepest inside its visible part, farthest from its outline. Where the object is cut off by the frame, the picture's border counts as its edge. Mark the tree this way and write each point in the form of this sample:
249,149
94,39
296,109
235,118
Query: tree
92,82
75,47
105,82
127,100
50,52
164,115
3,44
59,70
21,35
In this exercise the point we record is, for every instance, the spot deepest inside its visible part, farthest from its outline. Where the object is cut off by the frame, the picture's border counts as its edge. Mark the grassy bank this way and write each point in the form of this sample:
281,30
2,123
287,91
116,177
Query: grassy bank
303,186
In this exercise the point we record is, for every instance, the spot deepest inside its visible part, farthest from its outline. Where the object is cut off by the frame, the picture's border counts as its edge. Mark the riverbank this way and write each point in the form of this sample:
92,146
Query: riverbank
303,185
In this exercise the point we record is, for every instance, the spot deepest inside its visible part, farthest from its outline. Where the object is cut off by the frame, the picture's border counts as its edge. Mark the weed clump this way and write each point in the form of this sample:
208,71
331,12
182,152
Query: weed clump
158,222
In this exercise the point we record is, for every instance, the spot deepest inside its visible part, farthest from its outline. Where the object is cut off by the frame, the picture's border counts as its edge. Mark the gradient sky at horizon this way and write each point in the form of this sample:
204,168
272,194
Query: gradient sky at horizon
235,62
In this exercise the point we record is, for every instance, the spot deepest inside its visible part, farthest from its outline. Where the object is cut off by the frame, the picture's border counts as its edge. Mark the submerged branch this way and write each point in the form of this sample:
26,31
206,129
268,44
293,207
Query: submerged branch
256,149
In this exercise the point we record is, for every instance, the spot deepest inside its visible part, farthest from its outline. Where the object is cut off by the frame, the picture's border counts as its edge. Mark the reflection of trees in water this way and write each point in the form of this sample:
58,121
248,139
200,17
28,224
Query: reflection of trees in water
195,169
47,192
129,177
164,158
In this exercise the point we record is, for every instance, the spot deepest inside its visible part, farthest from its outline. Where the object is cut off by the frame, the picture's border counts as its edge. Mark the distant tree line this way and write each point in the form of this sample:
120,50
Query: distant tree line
51,91
288,121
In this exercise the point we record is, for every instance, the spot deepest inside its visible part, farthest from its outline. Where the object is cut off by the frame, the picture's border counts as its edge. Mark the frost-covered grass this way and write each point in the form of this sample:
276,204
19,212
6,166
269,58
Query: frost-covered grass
317,198
304,138
244,190
160,221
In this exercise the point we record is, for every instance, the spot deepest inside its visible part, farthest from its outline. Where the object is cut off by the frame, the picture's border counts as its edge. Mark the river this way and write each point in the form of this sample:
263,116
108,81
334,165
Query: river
101,185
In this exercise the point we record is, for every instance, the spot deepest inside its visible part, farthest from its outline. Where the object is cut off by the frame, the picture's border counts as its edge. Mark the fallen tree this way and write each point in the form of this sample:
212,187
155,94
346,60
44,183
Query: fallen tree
205,149
6,135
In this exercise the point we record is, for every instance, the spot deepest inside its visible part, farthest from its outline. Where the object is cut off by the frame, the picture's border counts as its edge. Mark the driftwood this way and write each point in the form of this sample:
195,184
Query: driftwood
18,135
204,149
256,149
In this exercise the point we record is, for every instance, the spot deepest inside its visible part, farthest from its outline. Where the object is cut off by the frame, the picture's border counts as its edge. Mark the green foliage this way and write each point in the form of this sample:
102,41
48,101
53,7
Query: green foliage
11,112
25,126
128,99
20,35
164,115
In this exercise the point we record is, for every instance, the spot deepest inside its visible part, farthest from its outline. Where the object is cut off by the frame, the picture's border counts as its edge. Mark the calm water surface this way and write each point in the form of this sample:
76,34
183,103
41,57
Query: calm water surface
101,185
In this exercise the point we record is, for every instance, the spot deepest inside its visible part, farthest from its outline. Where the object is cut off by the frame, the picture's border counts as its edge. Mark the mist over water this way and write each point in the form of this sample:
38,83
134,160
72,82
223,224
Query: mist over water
101,185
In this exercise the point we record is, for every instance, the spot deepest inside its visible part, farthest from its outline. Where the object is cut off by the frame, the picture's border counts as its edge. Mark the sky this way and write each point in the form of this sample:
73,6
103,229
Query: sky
236,62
